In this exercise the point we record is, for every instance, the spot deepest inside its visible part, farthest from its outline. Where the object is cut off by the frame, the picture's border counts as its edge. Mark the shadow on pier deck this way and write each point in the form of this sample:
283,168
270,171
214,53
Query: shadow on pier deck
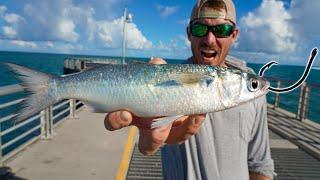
83,149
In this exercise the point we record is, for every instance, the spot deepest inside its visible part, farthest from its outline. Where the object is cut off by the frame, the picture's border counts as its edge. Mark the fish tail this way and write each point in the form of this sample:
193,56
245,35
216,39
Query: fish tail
39,88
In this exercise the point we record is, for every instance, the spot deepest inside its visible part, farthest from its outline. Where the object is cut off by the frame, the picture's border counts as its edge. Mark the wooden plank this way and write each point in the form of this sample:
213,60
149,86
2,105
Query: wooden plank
281,112
301,131
291,137
287,167
308,126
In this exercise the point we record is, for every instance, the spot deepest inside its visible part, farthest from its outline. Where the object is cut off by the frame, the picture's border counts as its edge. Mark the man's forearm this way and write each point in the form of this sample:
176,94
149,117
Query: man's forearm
257,176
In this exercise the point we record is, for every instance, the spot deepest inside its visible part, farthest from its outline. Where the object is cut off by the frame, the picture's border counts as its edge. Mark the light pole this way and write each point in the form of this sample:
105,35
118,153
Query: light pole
127,18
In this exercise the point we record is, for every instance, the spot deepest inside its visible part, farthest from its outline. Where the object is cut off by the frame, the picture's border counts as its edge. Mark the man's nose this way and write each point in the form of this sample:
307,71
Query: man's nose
210,39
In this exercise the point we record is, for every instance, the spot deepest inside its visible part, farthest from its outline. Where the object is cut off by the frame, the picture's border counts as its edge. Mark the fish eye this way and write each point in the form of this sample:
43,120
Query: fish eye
253,84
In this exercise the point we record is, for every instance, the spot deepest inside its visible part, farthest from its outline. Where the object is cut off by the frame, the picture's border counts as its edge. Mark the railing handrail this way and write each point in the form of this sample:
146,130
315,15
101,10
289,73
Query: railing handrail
304,97
47,119
10,89
270,78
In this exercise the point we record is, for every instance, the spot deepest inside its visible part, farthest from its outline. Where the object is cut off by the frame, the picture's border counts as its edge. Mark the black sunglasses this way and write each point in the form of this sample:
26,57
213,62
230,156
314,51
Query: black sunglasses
220,31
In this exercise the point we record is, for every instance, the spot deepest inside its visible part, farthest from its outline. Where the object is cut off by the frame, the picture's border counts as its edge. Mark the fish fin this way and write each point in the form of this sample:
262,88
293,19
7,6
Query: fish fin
159,122
37,85
187,79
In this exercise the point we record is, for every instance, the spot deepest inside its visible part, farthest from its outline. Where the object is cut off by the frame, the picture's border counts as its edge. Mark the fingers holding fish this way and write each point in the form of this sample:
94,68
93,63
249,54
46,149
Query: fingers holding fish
117,120
150,140
186,127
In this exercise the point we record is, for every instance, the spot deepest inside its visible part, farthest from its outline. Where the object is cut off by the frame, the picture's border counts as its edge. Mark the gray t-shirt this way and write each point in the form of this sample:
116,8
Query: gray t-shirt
229,144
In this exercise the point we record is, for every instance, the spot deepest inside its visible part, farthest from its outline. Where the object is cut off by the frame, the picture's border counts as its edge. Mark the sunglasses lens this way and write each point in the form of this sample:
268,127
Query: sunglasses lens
199,30
223,30
220,31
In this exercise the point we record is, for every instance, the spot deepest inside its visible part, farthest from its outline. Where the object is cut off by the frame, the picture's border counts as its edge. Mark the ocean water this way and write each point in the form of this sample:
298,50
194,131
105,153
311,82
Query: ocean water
53,63
288,76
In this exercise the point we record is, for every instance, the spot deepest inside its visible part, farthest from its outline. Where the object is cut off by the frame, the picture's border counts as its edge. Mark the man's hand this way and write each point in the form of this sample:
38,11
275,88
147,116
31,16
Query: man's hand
257,176
150,140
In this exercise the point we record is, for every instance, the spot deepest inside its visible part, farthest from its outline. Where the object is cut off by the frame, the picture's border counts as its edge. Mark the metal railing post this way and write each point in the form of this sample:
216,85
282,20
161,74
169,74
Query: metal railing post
73,108
50,122
46,123
277,98
1,155
43,123
303,102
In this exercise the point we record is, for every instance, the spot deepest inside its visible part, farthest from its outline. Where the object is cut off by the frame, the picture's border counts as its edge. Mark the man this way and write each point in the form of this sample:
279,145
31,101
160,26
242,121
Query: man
231,144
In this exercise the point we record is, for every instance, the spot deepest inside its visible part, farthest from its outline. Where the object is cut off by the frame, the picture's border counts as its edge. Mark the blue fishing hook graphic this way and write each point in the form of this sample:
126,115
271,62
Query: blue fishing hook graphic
306,72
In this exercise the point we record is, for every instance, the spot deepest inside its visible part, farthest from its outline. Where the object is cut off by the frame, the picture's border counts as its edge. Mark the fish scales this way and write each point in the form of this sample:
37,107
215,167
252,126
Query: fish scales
147,90
135,87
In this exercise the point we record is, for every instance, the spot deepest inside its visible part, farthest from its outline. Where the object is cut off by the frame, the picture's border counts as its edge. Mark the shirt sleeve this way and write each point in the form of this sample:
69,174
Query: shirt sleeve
259,156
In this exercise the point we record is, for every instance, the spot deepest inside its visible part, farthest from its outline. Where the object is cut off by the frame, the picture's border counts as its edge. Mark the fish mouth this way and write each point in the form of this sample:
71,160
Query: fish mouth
266,86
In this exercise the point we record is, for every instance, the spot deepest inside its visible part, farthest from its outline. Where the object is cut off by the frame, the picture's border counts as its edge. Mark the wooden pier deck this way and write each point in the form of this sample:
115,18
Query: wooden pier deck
83,149
305,134
80,149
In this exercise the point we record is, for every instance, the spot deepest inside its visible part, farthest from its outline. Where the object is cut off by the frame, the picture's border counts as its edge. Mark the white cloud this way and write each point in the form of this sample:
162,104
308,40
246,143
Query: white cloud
109,34
262,57
186,41
177,47
304,15
46,20
66,28
9,31
49,44
2,10
65,21
163,46
12,18
66,46
268,29
166,11
54,21
184,22
278,28
25,44
136,40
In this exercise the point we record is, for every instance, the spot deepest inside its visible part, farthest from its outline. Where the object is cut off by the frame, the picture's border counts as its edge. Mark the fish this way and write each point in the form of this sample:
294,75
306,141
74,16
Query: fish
167,91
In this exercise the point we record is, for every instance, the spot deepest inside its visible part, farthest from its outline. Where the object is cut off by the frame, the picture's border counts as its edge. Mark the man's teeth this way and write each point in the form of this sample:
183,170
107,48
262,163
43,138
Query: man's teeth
209,51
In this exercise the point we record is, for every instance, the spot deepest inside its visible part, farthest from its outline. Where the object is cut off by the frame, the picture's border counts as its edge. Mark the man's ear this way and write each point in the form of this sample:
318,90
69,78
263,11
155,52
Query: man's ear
188,33
234,35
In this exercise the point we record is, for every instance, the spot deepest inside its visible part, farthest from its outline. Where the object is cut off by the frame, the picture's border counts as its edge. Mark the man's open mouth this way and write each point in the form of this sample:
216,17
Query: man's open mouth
209,53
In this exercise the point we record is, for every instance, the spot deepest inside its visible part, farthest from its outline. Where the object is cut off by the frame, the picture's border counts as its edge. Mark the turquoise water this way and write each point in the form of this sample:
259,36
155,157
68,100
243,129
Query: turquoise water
53,63
289,75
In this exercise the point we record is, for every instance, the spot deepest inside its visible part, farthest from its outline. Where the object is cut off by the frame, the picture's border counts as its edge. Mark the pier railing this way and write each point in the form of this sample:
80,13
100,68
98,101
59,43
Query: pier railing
299,101
14,137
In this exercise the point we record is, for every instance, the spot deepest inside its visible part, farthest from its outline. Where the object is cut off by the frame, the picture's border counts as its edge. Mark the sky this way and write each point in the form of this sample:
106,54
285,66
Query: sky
282,30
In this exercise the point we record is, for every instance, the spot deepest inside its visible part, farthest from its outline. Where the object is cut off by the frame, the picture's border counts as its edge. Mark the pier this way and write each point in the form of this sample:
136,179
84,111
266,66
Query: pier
66,141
